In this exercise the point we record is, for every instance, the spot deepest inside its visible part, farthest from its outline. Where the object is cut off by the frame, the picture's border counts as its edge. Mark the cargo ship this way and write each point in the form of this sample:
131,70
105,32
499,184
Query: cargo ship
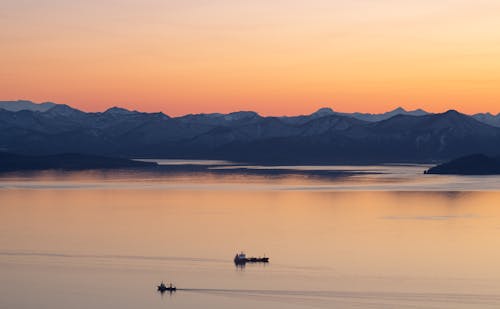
241,258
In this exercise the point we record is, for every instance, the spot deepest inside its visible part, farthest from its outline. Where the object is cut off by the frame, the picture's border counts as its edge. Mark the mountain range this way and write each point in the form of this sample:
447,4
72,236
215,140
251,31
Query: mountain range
325,136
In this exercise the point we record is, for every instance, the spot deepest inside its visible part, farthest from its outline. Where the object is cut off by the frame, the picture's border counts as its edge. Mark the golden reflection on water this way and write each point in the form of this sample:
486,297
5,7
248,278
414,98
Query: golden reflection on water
357,240
366,232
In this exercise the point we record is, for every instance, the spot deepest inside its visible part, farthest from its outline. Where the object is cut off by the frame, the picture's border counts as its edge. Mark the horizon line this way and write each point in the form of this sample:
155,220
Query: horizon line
398,107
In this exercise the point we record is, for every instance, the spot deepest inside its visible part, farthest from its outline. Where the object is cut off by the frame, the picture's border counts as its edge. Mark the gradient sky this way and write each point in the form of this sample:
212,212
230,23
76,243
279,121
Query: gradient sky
272,56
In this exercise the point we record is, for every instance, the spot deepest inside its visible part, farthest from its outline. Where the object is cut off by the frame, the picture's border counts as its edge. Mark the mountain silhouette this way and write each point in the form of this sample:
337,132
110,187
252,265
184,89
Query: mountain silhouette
322,137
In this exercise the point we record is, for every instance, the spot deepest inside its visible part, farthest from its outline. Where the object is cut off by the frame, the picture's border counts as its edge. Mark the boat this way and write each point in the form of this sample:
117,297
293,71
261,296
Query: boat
241,258
163,288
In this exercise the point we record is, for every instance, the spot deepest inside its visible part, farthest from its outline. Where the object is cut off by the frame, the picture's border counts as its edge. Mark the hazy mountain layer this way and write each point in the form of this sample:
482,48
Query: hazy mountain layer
322,137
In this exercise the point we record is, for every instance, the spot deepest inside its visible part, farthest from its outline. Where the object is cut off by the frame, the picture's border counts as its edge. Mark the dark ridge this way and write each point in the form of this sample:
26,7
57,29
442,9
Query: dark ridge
68,161
477,164
325,137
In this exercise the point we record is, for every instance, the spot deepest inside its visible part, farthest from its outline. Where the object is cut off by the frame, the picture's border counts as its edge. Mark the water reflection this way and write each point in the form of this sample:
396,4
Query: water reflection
449,217
321,178
242,265
65,238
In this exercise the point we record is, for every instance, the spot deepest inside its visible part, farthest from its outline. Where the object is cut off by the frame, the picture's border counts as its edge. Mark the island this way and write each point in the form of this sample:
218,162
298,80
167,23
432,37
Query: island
477,164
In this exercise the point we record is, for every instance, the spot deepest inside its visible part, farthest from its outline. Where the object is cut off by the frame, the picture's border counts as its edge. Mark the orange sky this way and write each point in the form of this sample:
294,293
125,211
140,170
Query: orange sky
275,57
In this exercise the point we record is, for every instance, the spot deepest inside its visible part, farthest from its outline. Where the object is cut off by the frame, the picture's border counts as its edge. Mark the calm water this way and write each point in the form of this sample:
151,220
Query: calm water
396,239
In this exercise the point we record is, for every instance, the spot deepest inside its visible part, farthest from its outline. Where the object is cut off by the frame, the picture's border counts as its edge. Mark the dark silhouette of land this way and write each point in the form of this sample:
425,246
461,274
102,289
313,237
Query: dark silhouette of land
77,162
477,164
323,137
15,162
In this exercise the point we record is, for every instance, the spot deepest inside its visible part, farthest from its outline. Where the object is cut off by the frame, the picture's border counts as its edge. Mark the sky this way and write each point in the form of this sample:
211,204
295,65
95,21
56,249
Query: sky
275,57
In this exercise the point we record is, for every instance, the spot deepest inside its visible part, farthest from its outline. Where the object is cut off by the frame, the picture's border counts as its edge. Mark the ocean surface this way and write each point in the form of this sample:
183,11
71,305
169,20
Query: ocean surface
382,237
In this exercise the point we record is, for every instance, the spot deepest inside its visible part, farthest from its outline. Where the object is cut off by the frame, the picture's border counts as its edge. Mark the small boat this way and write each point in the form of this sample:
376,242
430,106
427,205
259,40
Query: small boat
241,258
163,288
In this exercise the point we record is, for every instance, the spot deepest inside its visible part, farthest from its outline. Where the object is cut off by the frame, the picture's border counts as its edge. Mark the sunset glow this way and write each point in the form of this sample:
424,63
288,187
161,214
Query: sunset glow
274,57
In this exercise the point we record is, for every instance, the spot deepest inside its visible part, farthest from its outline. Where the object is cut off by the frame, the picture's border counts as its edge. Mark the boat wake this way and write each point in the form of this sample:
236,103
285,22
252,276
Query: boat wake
362,299
108,256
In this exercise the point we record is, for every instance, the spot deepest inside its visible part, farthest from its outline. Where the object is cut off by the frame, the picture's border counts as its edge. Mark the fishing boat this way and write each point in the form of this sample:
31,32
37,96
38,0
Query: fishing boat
241,258
163,288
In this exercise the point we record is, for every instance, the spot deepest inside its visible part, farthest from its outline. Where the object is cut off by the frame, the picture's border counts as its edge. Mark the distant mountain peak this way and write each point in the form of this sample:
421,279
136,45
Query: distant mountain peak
402,111
115,110
399,109
240,115
452,112
324,111
487,114
63,110
61,107
488,118
19,105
